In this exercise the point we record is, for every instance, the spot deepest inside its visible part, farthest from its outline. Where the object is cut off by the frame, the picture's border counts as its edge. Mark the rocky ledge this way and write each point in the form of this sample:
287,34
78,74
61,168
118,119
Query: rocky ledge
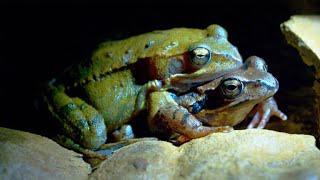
29,156
241,154
303,33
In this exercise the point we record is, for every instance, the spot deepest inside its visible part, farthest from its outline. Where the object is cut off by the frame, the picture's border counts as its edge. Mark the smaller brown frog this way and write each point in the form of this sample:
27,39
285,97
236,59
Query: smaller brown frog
218,105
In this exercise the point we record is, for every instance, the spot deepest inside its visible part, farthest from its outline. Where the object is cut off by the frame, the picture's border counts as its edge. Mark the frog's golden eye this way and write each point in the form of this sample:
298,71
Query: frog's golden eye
231,88
199,56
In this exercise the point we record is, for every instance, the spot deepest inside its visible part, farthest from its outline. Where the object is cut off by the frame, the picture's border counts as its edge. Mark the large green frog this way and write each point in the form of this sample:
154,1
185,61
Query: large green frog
101,94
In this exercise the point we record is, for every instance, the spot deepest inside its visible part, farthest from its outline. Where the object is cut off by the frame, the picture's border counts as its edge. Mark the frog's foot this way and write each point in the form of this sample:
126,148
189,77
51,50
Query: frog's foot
181,139
180,120
159,85
68,143
154,85
263,111
79,121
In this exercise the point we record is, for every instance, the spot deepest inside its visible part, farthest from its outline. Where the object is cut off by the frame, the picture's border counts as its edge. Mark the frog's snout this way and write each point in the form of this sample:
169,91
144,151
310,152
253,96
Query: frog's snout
276,84
271,83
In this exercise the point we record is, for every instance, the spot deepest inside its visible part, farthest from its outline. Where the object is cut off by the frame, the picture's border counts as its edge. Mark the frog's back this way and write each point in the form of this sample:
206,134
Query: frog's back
114,55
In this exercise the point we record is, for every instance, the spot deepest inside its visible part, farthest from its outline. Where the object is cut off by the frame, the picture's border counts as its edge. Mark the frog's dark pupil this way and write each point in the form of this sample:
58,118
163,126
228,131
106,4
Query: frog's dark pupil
231,87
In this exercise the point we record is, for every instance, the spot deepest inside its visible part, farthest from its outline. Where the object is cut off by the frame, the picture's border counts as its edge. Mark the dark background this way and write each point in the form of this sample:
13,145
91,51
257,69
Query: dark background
40,39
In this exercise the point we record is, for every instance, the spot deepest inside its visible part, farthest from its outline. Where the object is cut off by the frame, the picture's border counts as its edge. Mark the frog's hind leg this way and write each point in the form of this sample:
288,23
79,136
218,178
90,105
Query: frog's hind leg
68,143
80,123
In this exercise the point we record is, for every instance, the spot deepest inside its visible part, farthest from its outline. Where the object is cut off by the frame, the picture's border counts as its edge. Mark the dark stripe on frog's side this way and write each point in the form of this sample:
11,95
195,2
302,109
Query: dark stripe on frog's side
214,99
72,81
139,70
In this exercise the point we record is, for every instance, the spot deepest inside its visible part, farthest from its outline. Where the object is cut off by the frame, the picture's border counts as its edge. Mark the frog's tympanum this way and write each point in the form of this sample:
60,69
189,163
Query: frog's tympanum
217,105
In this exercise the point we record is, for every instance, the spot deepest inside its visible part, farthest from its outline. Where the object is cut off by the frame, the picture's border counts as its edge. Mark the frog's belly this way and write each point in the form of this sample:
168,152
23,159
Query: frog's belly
114,97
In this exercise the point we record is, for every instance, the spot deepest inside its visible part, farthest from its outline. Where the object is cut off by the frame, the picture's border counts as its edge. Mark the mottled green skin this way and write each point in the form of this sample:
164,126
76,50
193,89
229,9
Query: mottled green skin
101,95
113,55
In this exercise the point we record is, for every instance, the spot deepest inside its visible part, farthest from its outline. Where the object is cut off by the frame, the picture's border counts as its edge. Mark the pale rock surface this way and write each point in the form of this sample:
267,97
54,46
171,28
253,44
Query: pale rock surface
25,155
241,154
303,33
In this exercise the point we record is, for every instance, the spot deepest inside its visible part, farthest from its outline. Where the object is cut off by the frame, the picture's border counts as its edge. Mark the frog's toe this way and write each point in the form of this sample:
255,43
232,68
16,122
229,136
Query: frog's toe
280,114
227,129
90,124
181,139
70,144
82,123
261,116
154,85
263,111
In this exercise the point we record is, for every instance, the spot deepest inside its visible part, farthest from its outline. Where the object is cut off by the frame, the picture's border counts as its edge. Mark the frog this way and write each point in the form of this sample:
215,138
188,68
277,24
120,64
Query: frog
91,99
218,105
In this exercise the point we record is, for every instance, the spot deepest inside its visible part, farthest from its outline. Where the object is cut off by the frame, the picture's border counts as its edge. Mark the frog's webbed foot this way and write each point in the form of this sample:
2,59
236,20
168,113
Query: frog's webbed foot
263,111
81,124
155,85
179,140
158,85
181,121
68,143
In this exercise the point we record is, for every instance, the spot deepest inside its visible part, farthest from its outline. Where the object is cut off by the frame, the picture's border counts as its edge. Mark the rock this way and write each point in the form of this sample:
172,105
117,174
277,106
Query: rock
303,33
29,156
247,154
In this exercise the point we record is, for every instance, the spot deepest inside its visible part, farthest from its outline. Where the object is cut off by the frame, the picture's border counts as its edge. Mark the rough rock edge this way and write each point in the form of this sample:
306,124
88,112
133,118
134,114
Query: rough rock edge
308,55
186,152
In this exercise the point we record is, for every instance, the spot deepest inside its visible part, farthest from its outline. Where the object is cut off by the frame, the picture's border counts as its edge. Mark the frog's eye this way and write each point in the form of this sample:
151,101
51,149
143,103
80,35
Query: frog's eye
231,88
199,56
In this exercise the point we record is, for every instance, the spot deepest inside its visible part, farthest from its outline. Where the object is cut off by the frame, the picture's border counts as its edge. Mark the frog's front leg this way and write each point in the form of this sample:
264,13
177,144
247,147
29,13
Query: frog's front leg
83,128
180,120
168,114
263,111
